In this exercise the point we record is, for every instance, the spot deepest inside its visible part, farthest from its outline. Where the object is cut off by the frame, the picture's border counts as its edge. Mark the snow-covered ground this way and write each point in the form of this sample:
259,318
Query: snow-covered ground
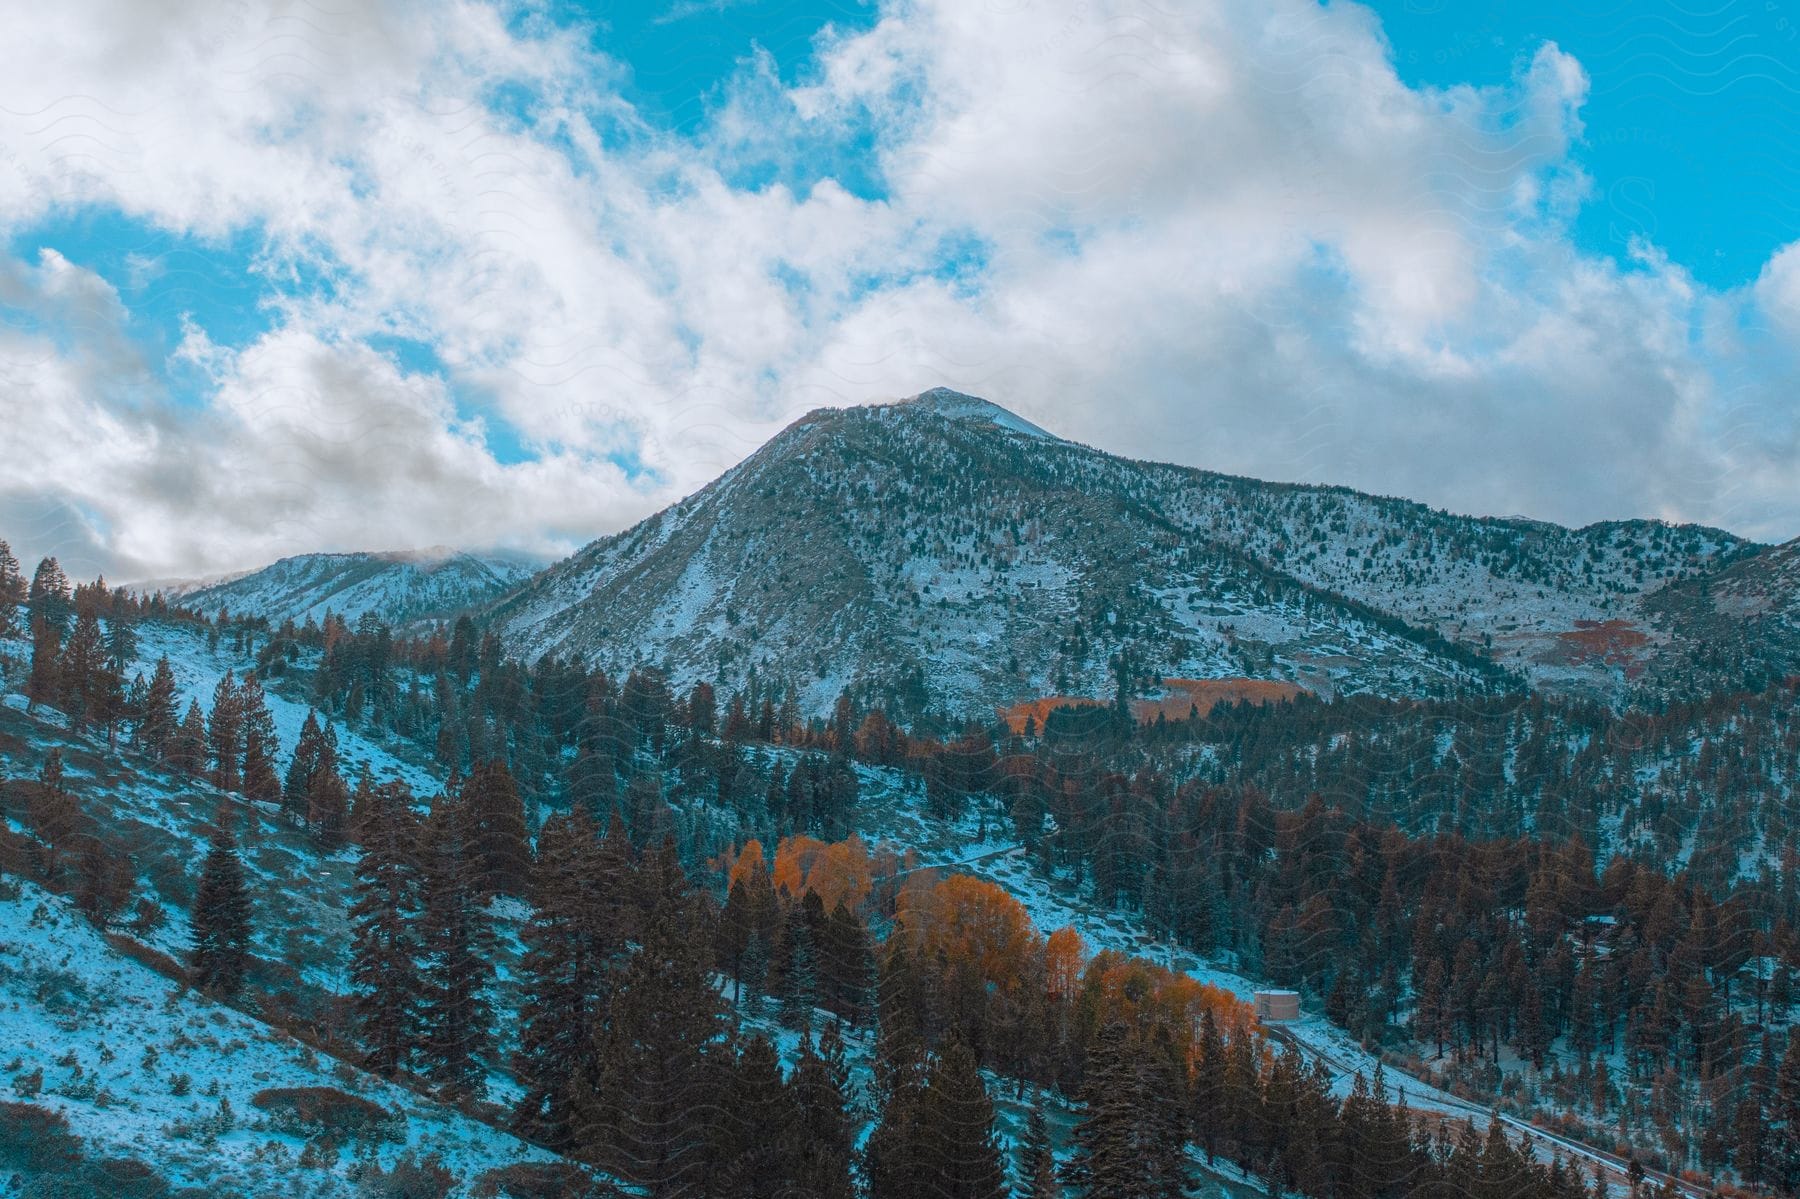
399,587
142,1067
198,670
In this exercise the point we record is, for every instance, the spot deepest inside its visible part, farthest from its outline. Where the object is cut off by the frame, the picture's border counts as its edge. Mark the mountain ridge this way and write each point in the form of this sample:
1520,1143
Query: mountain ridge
400,587
944,547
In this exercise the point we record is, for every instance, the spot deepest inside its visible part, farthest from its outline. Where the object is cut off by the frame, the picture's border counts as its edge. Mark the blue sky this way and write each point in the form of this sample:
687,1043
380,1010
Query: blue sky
1690,123
519,272
681,54
1691,120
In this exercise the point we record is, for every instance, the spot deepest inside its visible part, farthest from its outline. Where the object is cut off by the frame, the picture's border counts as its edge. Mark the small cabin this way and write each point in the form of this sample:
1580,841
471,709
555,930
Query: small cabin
1277,1006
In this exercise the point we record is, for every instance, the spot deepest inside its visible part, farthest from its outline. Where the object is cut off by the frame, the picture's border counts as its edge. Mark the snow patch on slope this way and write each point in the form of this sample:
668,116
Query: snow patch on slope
90,1018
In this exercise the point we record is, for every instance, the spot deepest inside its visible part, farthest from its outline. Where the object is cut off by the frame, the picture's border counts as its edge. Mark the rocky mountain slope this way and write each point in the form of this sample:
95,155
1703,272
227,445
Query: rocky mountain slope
400,588
947,552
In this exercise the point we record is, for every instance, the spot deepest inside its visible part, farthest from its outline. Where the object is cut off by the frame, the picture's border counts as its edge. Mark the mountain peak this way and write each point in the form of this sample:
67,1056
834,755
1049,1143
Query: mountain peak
921,553
960,406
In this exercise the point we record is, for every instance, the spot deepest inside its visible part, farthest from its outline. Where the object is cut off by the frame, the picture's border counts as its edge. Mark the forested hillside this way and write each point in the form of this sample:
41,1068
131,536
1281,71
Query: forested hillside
413,916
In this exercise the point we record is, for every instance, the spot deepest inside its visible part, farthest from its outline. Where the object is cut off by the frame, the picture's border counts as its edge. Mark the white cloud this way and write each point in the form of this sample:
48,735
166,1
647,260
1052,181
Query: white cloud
1778,287
306,445
1222,232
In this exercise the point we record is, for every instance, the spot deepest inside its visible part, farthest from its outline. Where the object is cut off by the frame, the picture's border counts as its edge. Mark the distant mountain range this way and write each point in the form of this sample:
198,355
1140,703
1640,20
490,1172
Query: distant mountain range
944,552
400,588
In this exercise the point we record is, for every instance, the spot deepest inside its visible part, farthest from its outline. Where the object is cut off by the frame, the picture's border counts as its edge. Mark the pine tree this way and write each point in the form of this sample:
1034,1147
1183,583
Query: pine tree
132,700
819,1083
591,783
1208,1095
747,926
48,597
959,1149
645,1111
847,964
54,815
1163,1086
384,950
309,748
795,967
893,1156
1037,1163
1240,1098
157,720
109,701
92,690
328,806
83,661
737,721
221,919
1133,1138
461,656
44,684
1784,1159
103,881
496,817
756,1137
187,750
573,942
734,935
456,955
12,592
225,733
900,999
121,643
259,740
1392,1156
836,1056
647,809
1110,1159
702,708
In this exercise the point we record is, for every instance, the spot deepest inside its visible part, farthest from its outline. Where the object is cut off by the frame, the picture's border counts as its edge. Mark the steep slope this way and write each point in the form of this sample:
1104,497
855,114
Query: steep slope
1738,627
134,1077
399,588
946,549
115,1048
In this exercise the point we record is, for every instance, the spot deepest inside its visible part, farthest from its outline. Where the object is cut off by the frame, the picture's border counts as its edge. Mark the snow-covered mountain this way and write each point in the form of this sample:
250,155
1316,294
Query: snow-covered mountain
945,550
400,588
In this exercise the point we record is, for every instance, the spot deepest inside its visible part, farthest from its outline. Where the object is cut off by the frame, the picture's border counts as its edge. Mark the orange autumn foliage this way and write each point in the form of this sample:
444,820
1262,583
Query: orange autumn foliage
843,875
1181,698
1143,995
794,858
966,919
1035,711
749,862
1065,953
839,872
1614,642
